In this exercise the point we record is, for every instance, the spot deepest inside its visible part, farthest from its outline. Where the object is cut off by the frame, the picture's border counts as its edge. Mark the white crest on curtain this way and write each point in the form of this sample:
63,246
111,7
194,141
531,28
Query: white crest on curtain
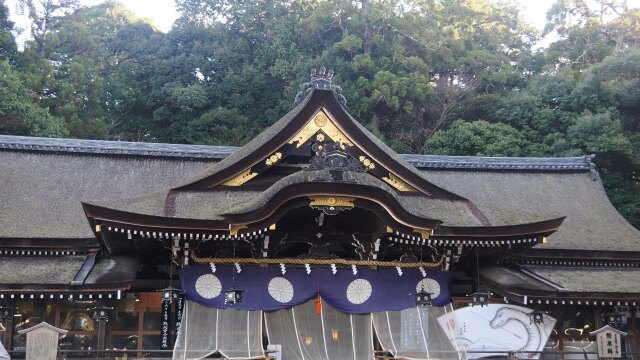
208,286
429,285
236,334
416,334
359,291
306,335
280,289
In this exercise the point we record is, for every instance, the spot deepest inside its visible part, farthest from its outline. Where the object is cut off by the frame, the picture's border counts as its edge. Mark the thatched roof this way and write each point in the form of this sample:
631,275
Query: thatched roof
124,148
591,279
58,271
561,282
42,190
274,138
513,279
45,181
216,205
591,223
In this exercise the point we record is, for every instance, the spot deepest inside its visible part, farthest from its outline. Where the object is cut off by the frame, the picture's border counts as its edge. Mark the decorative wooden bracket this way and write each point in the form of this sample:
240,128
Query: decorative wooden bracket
331,205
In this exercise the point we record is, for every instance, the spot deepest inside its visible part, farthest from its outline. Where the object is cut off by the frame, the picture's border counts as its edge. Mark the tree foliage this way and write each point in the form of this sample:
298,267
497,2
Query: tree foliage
18,113
8,47
458,77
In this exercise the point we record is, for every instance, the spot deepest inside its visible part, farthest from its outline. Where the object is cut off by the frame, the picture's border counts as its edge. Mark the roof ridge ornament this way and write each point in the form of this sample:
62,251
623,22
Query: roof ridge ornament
322,80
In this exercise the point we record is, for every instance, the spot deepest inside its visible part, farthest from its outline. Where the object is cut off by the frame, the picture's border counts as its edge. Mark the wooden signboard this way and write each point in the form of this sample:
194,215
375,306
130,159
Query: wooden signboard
609,341
42,341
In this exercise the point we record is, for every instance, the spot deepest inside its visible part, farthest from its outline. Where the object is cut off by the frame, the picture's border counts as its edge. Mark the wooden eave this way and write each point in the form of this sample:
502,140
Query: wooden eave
536,229
48,244
320,100
595,296
64,288
519,295
519,292
100,217
98,214
579,255
284,201
373,199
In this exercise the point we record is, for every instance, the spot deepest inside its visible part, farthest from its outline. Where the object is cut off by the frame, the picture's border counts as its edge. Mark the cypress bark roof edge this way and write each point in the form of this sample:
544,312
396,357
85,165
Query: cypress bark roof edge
144,149
564,282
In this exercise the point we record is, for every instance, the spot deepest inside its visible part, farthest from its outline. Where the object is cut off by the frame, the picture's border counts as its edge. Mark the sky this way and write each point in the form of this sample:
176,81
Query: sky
163,12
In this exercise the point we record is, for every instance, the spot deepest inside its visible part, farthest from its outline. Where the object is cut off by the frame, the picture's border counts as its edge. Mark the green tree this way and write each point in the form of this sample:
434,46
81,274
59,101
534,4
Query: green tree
599,133
220,126
481,138
66,63
7,41
591,30
19,114
44,17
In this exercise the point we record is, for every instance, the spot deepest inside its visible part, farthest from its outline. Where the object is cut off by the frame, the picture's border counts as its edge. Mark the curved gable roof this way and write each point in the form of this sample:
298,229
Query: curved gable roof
288,128
44,181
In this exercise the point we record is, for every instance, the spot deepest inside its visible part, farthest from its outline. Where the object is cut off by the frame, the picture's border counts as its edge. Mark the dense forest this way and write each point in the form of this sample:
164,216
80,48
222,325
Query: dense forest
457,77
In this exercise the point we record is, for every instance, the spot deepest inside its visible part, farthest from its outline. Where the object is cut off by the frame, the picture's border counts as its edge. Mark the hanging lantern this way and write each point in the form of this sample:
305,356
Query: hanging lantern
536,317
613,320
423,297
5,313
480,298
233,296
170,294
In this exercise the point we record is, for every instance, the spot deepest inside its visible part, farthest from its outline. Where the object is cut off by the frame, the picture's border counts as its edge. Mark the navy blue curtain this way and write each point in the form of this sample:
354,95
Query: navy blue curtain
267,288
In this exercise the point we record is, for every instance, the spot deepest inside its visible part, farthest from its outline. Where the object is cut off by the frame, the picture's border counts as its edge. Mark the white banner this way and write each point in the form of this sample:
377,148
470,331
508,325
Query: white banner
496,329
4,355
609,341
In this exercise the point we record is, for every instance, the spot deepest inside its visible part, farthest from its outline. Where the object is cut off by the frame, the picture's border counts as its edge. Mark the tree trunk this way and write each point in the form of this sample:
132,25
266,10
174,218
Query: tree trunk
367,29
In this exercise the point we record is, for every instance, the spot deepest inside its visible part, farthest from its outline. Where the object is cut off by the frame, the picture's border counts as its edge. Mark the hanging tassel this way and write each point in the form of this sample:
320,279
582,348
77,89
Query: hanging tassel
319,305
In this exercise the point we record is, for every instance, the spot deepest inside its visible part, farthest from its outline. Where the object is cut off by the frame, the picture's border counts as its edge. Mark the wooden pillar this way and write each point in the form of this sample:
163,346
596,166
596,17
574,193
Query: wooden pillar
8,334
102,334
557,313
597,317
101,315
632,330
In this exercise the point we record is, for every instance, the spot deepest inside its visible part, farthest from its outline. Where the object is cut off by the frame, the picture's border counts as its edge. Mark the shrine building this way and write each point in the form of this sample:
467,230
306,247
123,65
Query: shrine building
313,241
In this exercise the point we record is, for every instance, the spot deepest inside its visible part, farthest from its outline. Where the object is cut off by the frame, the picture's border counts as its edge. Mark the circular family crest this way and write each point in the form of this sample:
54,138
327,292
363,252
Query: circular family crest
280,289
429,285
359,291
321,119
208,286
